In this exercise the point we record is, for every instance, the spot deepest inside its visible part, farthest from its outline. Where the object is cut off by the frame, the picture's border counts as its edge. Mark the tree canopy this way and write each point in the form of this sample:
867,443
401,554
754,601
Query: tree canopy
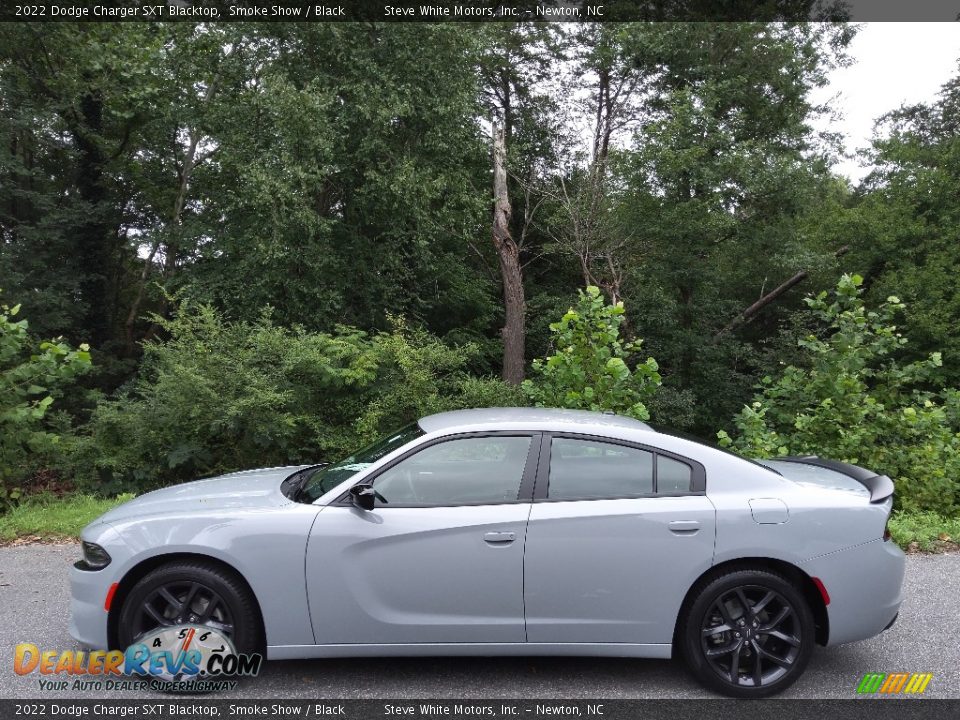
315,202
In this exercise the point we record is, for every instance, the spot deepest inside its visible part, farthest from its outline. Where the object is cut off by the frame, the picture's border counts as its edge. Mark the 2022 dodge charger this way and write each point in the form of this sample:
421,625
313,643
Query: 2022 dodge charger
510,532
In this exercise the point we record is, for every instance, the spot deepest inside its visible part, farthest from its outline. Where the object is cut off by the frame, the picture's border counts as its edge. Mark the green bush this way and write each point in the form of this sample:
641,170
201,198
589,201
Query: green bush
590,369
31,376
850,397
418,375
219,396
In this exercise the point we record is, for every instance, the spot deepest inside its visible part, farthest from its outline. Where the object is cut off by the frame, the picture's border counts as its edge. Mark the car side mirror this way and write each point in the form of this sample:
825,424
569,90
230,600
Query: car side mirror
364,496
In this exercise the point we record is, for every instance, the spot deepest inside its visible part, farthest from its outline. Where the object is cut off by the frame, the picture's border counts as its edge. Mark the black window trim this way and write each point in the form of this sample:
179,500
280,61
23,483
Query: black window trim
527,480
698,474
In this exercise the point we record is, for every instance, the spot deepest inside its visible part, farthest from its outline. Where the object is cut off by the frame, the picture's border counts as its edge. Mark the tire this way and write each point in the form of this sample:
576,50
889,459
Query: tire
729,650
213,591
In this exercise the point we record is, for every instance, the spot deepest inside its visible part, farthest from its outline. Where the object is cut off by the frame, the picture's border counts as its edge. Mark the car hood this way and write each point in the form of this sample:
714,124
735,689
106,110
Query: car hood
248,490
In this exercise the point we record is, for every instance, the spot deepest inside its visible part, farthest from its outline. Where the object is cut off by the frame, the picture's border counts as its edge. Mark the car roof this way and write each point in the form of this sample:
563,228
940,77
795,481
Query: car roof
534,418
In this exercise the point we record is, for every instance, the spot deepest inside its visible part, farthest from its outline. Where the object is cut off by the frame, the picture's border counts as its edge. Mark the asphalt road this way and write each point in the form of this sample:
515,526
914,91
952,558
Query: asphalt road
34,606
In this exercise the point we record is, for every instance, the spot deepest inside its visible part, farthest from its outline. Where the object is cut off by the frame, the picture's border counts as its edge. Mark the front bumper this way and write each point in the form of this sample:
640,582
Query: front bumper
88,618
865,584
89,589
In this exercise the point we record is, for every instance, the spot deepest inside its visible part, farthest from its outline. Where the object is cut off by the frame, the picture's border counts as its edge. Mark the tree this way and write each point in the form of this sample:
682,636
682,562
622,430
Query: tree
303,166
589,369
508,252
199,63
514,66
905,221
341,190
586,222
721,180
84,94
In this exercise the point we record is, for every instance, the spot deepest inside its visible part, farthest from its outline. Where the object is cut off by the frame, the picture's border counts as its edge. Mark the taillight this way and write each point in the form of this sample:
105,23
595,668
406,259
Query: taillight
823,590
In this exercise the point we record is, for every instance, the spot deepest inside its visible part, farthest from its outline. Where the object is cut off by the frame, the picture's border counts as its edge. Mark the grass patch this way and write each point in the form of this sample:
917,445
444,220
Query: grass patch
925,531
50,518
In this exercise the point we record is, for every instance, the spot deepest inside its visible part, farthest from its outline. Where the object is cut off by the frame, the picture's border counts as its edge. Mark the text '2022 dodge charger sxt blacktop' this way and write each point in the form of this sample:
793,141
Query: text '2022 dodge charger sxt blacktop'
510,531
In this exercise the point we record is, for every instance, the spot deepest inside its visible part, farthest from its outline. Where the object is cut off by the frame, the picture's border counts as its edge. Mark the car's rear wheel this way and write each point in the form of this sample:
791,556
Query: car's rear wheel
191,593
748,633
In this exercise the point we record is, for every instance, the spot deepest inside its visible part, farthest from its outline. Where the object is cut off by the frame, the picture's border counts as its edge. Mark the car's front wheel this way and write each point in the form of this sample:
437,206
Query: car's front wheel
748,633
195,593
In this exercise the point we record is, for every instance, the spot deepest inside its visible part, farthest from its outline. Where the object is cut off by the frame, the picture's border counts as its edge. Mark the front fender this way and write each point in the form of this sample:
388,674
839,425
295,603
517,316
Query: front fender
266,546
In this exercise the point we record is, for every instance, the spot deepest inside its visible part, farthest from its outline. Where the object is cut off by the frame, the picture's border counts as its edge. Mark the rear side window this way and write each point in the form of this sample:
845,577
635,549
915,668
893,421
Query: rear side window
591,469
673,476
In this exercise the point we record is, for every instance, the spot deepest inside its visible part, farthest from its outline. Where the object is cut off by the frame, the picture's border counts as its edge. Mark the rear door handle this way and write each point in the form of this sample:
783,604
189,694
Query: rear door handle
499,538
684,527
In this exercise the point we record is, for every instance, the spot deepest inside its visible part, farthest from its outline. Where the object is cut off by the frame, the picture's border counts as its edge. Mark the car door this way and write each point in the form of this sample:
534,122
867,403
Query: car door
618,532
439,559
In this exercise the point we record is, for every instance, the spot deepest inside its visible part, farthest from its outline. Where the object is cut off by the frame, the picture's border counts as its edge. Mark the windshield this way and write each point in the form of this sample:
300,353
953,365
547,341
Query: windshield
325,478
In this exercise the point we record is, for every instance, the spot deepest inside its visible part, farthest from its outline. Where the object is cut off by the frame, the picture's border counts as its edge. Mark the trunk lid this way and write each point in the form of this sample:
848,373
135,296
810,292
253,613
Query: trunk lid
815,472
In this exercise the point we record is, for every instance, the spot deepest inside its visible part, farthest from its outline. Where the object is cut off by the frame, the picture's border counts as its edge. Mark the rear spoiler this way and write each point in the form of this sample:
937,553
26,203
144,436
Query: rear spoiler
880,486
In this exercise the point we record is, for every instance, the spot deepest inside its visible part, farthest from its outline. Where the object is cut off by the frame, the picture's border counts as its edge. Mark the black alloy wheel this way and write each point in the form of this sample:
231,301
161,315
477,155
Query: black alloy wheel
748,634
191,593
182,602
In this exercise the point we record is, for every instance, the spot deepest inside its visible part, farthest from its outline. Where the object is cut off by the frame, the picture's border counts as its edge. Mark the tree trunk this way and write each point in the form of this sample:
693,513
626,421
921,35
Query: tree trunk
96,237
514,303
176,220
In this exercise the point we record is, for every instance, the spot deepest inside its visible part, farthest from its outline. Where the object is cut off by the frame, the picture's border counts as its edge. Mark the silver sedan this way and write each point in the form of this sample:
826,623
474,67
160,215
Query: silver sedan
510,532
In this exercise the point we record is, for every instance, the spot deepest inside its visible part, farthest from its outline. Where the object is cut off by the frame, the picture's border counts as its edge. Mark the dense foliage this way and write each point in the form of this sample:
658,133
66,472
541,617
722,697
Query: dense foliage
848,397
908,222
589,369
31,375
219,396
318,199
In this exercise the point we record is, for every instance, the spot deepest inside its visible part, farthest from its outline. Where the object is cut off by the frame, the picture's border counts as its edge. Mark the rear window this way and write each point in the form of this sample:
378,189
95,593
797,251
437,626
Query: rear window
673,476
710,444
592,470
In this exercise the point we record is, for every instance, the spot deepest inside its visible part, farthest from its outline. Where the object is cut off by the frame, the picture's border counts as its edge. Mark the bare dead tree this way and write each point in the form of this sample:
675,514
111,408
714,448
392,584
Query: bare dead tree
508,251
589,233
589,229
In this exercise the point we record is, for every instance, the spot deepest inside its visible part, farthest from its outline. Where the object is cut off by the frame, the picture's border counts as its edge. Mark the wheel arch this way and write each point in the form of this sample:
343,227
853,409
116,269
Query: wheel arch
142,568
800,579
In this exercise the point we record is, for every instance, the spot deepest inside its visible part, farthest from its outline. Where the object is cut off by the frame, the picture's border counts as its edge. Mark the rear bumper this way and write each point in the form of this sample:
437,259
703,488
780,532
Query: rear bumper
865,584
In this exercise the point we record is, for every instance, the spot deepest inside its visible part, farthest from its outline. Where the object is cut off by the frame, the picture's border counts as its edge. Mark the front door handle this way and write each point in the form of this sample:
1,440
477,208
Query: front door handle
499,538
684,527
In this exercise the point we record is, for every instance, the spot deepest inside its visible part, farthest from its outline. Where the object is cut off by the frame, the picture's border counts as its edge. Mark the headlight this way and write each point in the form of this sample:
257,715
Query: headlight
94,556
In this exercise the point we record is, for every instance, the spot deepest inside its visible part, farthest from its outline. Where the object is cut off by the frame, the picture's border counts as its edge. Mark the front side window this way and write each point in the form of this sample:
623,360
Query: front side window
592,470
463,471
